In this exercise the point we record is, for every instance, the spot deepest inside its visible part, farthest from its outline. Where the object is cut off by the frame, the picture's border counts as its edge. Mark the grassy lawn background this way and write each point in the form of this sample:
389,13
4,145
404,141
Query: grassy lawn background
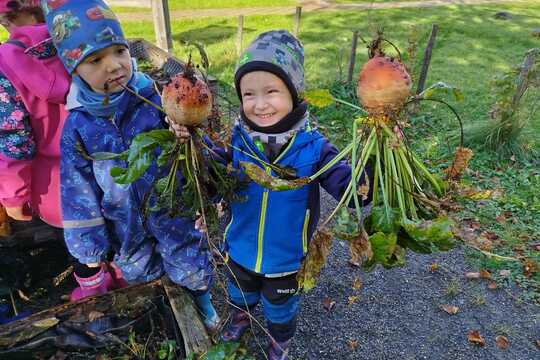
212,4
472,46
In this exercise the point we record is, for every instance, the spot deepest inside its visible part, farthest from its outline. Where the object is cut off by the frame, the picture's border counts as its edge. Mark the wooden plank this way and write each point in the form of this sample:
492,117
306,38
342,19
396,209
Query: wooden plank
352,58
427,60
162,24
239,35
297,18
114,302
196,340
5,229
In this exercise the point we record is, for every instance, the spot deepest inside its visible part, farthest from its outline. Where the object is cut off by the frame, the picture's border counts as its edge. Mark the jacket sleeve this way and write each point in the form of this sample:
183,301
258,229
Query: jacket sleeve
336,179
85,231
17,147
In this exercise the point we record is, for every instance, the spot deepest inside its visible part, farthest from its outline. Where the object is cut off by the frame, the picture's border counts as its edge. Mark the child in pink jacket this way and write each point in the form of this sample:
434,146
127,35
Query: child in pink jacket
33,88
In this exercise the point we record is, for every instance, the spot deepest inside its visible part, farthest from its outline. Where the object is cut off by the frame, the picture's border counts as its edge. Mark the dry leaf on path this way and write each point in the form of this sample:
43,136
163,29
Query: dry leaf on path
352,300
353,344
472,275
502,342
328,304
474,337
450,309
357,284
484,274
433,267
492,285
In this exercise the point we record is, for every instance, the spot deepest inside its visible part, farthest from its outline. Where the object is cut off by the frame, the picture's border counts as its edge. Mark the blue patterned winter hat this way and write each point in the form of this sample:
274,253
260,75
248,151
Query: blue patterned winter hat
80,28
278,52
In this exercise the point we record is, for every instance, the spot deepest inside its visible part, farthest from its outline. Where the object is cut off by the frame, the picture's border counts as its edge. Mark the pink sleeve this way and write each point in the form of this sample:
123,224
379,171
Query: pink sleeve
15,177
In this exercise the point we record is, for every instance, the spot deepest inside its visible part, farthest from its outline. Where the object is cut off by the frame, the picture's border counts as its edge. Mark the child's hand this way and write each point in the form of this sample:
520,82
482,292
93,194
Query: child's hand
18,213
200,225
181,132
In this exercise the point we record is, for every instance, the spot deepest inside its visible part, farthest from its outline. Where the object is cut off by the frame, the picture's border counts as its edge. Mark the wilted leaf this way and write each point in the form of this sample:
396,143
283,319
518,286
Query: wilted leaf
502,342
357,284
328,304
261,177
319,247
46,323
460,163
433,267
537,342
450,309
319,97
429,236
360,247
353,344
530,267
474,337
94,315
492,285
484,274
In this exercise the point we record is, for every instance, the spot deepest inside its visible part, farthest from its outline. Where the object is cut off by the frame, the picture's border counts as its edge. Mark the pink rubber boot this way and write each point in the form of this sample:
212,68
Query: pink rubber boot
96,284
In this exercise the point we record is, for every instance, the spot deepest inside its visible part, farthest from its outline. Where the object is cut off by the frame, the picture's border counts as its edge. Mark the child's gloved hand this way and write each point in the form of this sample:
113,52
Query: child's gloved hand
18,213
181,132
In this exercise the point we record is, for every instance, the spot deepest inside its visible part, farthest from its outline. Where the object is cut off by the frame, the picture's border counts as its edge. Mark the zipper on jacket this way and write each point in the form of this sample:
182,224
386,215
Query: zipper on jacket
262,219
304,233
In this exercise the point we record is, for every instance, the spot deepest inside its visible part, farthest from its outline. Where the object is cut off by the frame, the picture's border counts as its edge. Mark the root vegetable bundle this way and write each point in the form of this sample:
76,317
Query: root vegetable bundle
405,207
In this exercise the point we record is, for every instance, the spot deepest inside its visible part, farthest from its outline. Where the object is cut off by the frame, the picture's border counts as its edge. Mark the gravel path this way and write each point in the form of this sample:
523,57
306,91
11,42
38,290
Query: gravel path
397,313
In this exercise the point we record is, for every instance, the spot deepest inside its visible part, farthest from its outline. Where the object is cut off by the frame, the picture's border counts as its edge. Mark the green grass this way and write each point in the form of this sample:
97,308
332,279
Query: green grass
211,4
367,1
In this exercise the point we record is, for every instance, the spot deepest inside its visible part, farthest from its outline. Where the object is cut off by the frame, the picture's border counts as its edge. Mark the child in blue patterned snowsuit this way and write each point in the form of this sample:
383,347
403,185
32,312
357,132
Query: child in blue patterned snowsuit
99,215
269,232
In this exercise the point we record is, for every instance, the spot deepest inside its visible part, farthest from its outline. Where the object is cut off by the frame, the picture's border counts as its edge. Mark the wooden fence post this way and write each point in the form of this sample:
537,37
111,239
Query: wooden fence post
427,59
162,24
297,17
352,59
239,35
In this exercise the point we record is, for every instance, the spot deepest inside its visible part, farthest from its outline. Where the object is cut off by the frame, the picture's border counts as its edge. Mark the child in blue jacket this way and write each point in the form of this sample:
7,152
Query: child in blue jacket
269,232
99,215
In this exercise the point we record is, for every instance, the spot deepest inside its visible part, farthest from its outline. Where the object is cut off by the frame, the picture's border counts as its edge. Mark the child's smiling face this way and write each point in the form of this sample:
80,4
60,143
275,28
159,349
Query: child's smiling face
103,69
265,98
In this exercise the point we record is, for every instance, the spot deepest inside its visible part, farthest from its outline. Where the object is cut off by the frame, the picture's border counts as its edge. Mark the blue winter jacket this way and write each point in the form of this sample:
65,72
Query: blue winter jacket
99,214
269,232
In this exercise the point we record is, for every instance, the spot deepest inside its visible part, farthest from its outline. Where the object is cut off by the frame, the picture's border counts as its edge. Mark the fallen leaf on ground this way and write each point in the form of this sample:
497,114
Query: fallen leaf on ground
538,344
484,274
353,344
489,235
94,315
352,300
328,304
472,275
474,337
530,267
22,295
502,342
433,267
357,284
535,246
492,285
450,309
